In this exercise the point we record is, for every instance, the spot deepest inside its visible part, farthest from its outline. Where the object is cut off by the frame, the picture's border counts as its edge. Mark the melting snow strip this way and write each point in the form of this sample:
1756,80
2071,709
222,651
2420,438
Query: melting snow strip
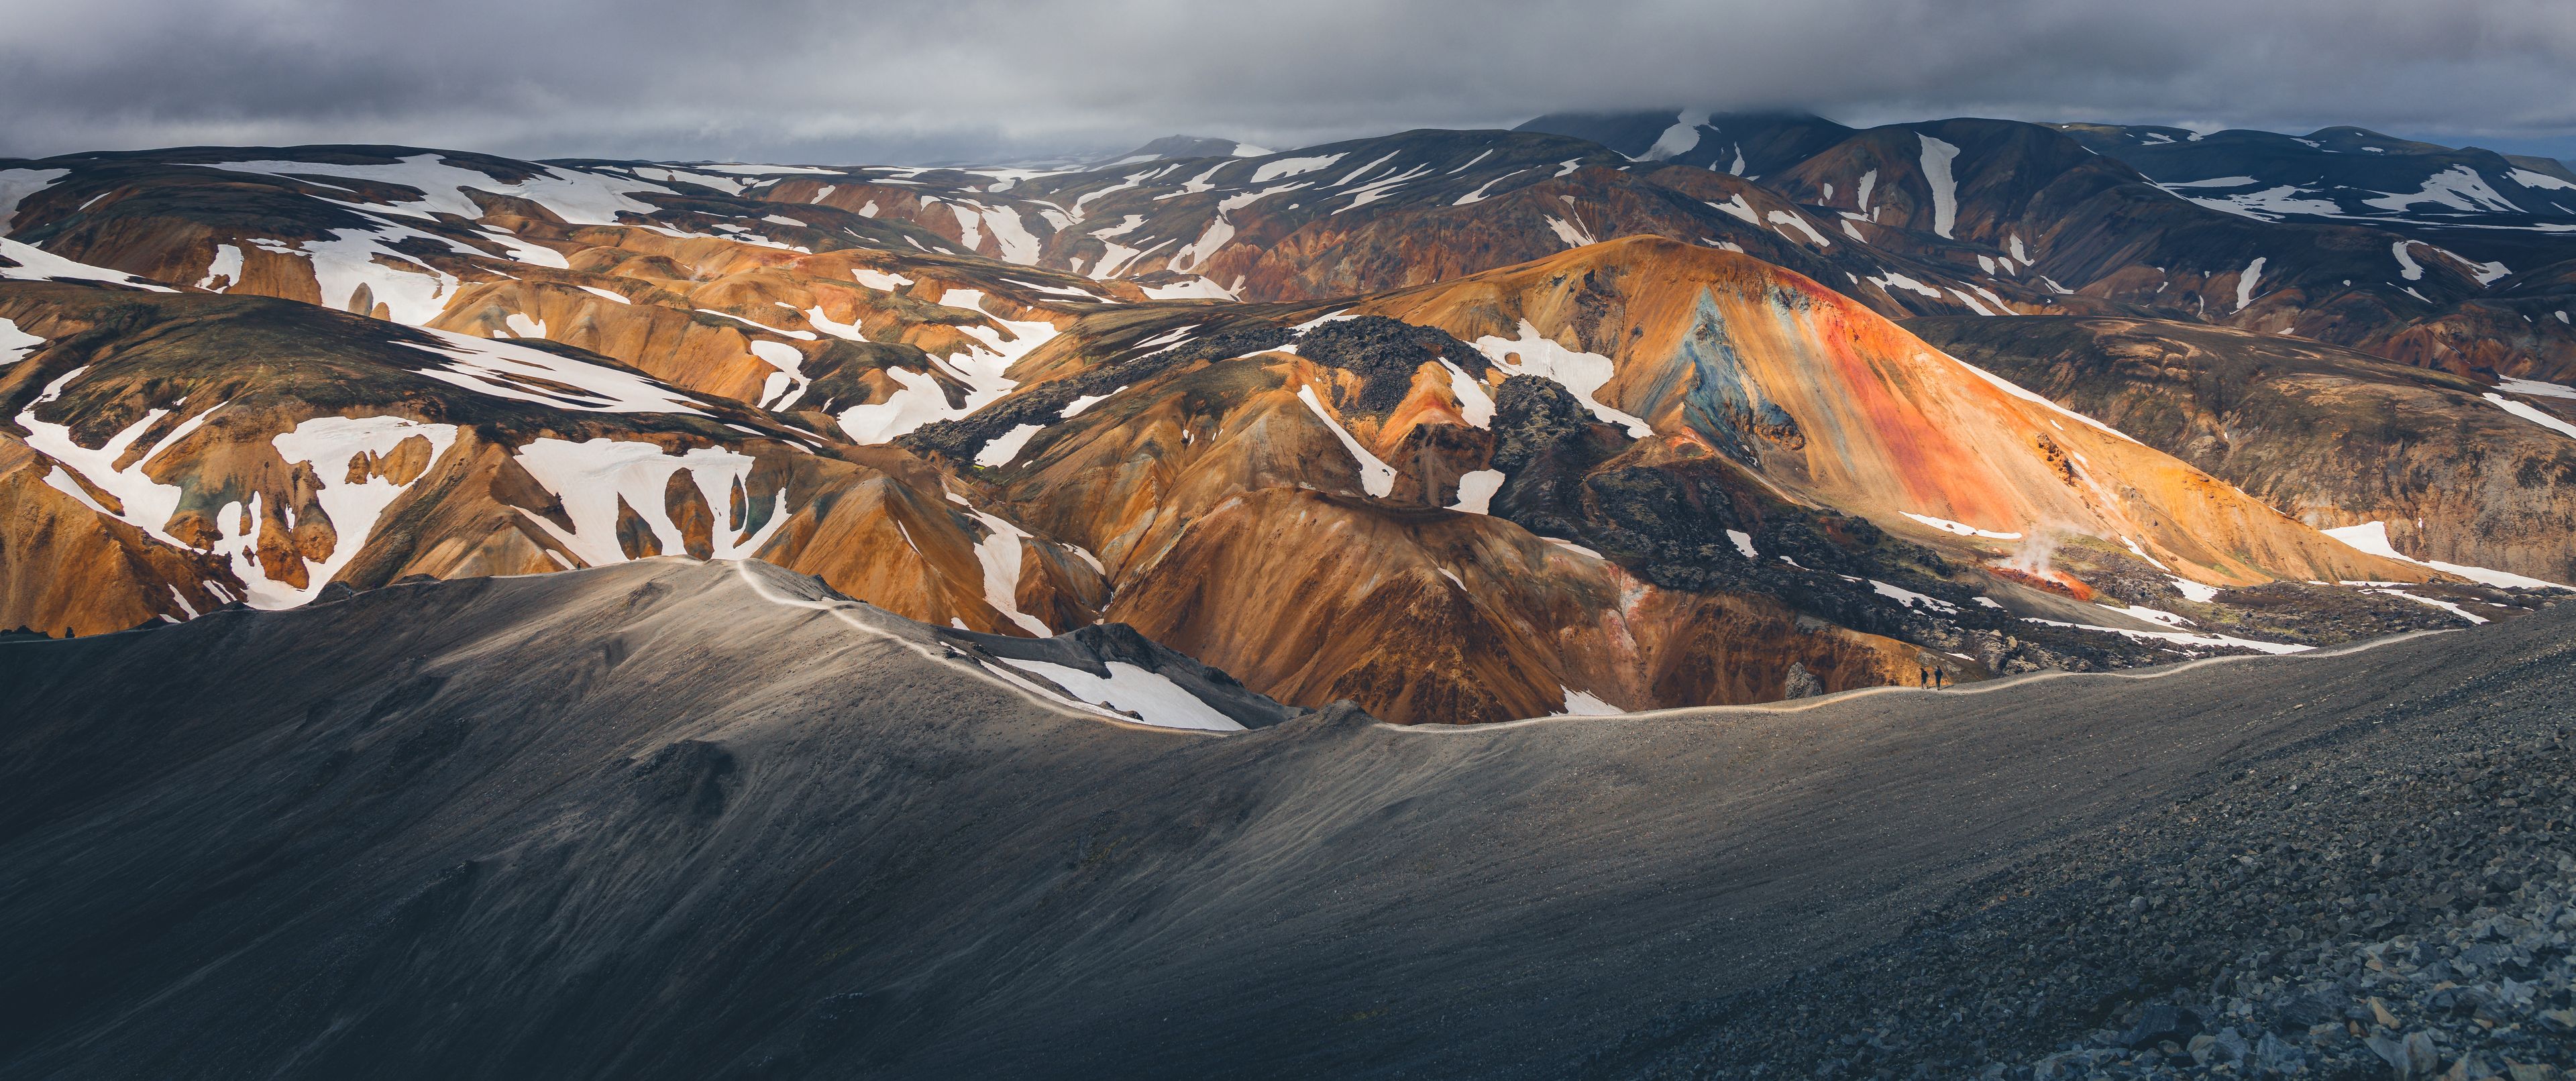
844,611
1377,477
1150,695
2372,537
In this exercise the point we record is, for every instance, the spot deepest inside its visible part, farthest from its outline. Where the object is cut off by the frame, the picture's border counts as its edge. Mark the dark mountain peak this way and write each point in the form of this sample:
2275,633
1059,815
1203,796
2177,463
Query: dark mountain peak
1747,143
1634,132
2347,139
2091,134
1188,146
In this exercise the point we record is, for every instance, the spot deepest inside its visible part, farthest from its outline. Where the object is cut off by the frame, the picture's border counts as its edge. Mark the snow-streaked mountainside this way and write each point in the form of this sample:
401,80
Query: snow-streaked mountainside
1610,412
2344,174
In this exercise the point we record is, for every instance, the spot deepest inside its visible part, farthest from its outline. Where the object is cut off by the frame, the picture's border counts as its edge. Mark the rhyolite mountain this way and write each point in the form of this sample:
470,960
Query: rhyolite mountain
1609,413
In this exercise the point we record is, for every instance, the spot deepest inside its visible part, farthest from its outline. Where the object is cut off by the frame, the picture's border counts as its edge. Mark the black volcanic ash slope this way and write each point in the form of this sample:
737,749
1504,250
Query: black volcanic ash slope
647,821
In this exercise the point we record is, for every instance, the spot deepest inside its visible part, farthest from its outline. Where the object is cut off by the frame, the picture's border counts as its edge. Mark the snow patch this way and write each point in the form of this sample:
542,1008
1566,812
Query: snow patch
1679,138
2532,387
1017,245
2533,415
1743,543
1274,170
913,405
1005,447
1150,695
2407,267
226,267
36,264
879,280
1580,704
2524,177
2183,638
2270,204
147,504
1365,170
982,368
1075,407
2457,188
2473,618
578,197
2193,591
788,383
1476,491
1581,374
1937,156
1737,206
1783,217
1193,289
505,369
16,345
1058,290
2151,615
1219,231
2372,537
1377,477
2245,280
1910,598
330,444
589,479
1572,234
1478,195
1473,404
1001,556
1901,281
814,317
1961,528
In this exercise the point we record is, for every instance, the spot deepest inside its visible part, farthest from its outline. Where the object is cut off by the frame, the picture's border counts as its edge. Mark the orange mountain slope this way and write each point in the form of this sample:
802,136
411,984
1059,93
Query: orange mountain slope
1838,406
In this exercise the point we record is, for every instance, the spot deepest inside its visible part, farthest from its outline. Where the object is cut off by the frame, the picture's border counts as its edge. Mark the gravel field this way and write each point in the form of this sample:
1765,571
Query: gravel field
2395,898
650,822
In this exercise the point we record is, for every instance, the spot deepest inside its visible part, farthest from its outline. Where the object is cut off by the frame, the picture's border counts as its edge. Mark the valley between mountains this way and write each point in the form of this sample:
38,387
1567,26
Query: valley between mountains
1604,414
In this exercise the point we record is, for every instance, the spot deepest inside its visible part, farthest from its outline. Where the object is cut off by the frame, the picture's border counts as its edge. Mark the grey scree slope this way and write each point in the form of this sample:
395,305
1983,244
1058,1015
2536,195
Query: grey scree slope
642,822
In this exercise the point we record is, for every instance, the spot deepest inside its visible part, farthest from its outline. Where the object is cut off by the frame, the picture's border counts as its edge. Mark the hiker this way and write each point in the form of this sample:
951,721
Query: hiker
1936,678
1922,676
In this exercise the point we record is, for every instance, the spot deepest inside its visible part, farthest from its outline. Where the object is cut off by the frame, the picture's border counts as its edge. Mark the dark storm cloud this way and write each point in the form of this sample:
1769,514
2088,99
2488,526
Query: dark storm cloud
920,80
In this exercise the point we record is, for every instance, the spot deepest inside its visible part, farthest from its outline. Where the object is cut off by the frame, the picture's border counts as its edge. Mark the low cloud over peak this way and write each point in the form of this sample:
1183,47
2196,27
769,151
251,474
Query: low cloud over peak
919,80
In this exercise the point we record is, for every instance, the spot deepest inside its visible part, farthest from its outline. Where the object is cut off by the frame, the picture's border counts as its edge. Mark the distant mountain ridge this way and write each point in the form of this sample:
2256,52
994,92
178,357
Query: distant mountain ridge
1462,425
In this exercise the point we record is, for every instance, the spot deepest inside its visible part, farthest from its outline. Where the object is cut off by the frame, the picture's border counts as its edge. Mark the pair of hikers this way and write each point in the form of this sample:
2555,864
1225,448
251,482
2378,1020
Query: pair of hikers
1928,676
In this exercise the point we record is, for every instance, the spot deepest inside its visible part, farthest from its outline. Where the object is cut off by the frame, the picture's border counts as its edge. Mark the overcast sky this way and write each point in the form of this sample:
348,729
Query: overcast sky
923,80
